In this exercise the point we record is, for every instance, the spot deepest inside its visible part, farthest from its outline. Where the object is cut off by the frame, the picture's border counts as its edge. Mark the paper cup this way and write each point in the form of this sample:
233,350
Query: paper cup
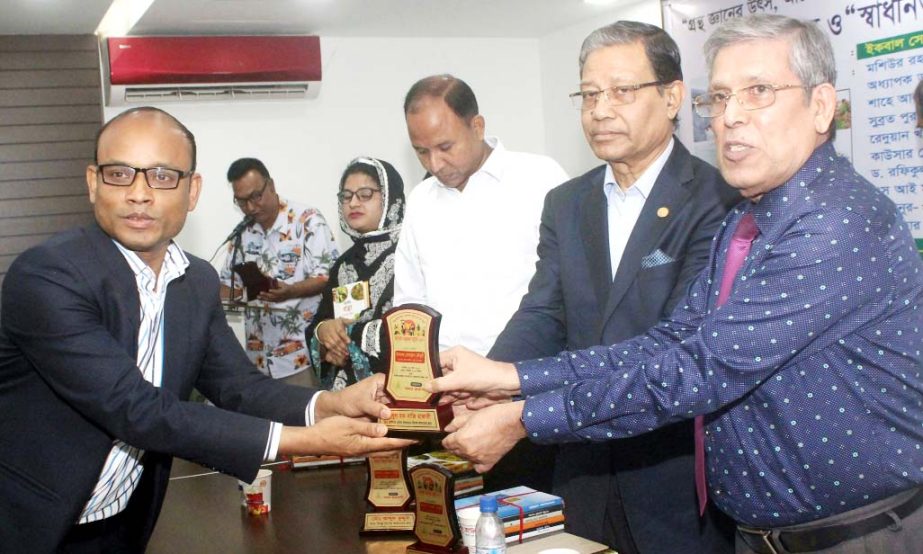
467,519
256,497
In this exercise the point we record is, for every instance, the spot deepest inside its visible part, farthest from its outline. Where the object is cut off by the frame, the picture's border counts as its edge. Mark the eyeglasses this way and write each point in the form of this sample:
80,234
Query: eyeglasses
156,177
586,100
364,195
754,97
254,197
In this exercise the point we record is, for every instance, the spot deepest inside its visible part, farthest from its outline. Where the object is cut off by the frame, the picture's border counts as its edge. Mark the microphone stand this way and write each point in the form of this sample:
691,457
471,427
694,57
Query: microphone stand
237,247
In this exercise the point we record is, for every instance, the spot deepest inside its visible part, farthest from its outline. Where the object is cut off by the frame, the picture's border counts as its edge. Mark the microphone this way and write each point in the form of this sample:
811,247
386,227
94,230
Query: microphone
247,220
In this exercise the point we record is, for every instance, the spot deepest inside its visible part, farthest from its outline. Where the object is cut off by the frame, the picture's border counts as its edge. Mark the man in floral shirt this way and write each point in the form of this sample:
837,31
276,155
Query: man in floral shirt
290,243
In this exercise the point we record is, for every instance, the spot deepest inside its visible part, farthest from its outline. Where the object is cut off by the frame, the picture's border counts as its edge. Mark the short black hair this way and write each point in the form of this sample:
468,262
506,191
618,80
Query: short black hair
455,92
147,109
245,165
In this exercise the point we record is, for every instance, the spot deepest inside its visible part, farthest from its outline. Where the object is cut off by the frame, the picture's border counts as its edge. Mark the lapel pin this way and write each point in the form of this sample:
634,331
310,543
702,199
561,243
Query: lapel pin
663,211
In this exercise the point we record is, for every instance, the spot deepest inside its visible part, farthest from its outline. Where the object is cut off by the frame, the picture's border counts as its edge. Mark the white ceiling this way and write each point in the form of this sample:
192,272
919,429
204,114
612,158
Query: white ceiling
370,18
52,17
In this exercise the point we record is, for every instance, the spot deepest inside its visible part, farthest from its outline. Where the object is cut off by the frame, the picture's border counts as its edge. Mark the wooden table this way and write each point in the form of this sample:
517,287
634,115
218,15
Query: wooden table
313,511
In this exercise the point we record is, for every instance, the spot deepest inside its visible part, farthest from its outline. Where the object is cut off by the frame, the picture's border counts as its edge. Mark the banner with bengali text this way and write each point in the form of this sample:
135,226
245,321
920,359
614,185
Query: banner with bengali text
878,46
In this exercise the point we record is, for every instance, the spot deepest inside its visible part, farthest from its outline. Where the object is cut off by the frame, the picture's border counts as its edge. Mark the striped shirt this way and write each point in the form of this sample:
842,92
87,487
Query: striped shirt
122,470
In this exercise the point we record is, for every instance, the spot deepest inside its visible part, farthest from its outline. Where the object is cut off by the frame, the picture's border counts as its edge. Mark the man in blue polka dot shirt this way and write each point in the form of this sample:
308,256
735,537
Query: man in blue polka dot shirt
808,375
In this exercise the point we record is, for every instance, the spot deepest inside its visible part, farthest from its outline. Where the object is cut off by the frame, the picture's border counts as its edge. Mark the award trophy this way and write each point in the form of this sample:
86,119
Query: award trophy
388,495
411,332
436,526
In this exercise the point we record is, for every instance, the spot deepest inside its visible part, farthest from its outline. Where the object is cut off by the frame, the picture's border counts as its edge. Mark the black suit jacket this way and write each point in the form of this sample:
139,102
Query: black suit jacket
573,303
69,385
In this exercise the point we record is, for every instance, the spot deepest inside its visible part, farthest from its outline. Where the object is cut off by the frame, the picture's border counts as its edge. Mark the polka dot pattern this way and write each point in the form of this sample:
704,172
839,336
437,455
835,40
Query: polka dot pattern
811,374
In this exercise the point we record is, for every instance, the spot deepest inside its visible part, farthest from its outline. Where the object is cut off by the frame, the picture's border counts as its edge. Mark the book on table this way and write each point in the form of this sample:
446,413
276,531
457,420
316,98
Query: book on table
304,462
467,480
525,512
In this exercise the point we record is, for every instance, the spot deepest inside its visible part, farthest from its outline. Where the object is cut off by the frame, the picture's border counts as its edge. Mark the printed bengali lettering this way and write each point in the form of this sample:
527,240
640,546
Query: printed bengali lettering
885,84
881,102
889,45
888,138
889,154
405,356
881,120
901,170
695,23
754,6
720,16
883,64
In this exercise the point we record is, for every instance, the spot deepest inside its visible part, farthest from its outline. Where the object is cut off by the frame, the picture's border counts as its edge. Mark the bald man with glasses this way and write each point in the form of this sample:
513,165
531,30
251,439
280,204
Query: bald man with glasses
104,332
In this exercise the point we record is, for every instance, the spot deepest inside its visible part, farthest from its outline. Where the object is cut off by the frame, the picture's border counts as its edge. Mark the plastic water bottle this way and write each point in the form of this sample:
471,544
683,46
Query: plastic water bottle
489,537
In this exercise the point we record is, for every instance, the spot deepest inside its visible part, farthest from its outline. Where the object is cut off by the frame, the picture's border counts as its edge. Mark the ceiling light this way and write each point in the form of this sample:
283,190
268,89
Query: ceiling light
121,17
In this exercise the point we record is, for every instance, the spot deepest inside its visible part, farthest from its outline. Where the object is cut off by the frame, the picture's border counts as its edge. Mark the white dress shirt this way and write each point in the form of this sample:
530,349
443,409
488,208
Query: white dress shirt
122,469
470,254
625,205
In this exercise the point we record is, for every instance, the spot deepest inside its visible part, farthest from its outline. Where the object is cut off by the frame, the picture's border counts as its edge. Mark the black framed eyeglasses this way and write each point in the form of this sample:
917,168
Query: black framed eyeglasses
750,98
364,194
586,100
156,177
254,197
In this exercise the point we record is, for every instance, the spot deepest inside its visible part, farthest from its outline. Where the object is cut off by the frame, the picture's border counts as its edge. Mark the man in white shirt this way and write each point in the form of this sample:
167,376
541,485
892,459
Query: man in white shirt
467,247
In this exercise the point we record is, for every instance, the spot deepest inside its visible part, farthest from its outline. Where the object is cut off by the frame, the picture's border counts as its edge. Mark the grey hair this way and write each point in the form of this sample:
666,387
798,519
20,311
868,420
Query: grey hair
662,51
810,57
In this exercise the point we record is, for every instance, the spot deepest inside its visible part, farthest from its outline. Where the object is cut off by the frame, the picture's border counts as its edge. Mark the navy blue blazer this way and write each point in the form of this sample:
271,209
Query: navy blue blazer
69,385
573,303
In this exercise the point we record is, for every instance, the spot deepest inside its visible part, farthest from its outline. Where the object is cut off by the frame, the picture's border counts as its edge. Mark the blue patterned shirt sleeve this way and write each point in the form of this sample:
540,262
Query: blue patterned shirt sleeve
811,367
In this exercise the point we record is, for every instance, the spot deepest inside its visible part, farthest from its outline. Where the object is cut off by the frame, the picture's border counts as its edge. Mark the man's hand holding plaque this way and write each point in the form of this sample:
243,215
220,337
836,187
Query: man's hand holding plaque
411,333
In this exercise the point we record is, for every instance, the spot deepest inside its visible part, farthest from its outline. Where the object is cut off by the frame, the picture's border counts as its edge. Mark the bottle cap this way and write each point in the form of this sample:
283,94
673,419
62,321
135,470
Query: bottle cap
488,503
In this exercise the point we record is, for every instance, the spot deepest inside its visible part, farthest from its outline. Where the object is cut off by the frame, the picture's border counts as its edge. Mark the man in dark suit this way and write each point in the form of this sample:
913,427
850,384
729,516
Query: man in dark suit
104,332
618,246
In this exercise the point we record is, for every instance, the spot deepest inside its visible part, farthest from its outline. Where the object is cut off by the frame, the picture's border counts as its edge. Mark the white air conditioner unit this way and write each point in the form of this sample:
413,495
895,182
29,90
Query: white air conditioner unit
146,70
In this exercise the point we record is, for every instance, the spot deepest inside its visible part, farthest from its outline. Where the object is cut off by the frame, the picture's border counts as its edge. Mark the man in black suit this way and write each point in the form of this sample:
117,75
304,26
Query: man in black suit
618,246
104,331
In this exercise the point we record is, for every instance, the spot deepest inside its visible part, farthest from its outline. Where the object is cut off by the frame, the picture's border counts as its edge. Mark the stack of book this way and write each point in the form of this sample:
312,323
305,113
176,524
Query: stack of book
304,462
467,480
525,512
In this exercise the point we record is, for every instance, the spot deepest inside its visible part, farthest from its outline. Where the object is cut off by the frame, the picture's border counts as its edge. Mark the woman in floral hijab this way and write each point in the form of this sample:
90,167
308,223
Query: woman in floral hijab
371,200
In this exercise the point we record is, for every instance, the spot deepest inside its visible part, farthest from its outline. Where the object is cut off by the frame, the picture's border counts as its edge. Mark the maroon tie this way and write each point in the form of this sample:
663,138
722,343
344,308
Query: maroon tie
743,237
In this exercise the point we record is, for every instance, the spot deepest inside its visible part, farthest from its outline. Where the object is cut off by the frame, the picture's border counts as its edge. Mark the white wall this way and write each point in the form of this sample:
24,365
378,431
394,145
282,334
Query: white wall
560,76
521,85
306,144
